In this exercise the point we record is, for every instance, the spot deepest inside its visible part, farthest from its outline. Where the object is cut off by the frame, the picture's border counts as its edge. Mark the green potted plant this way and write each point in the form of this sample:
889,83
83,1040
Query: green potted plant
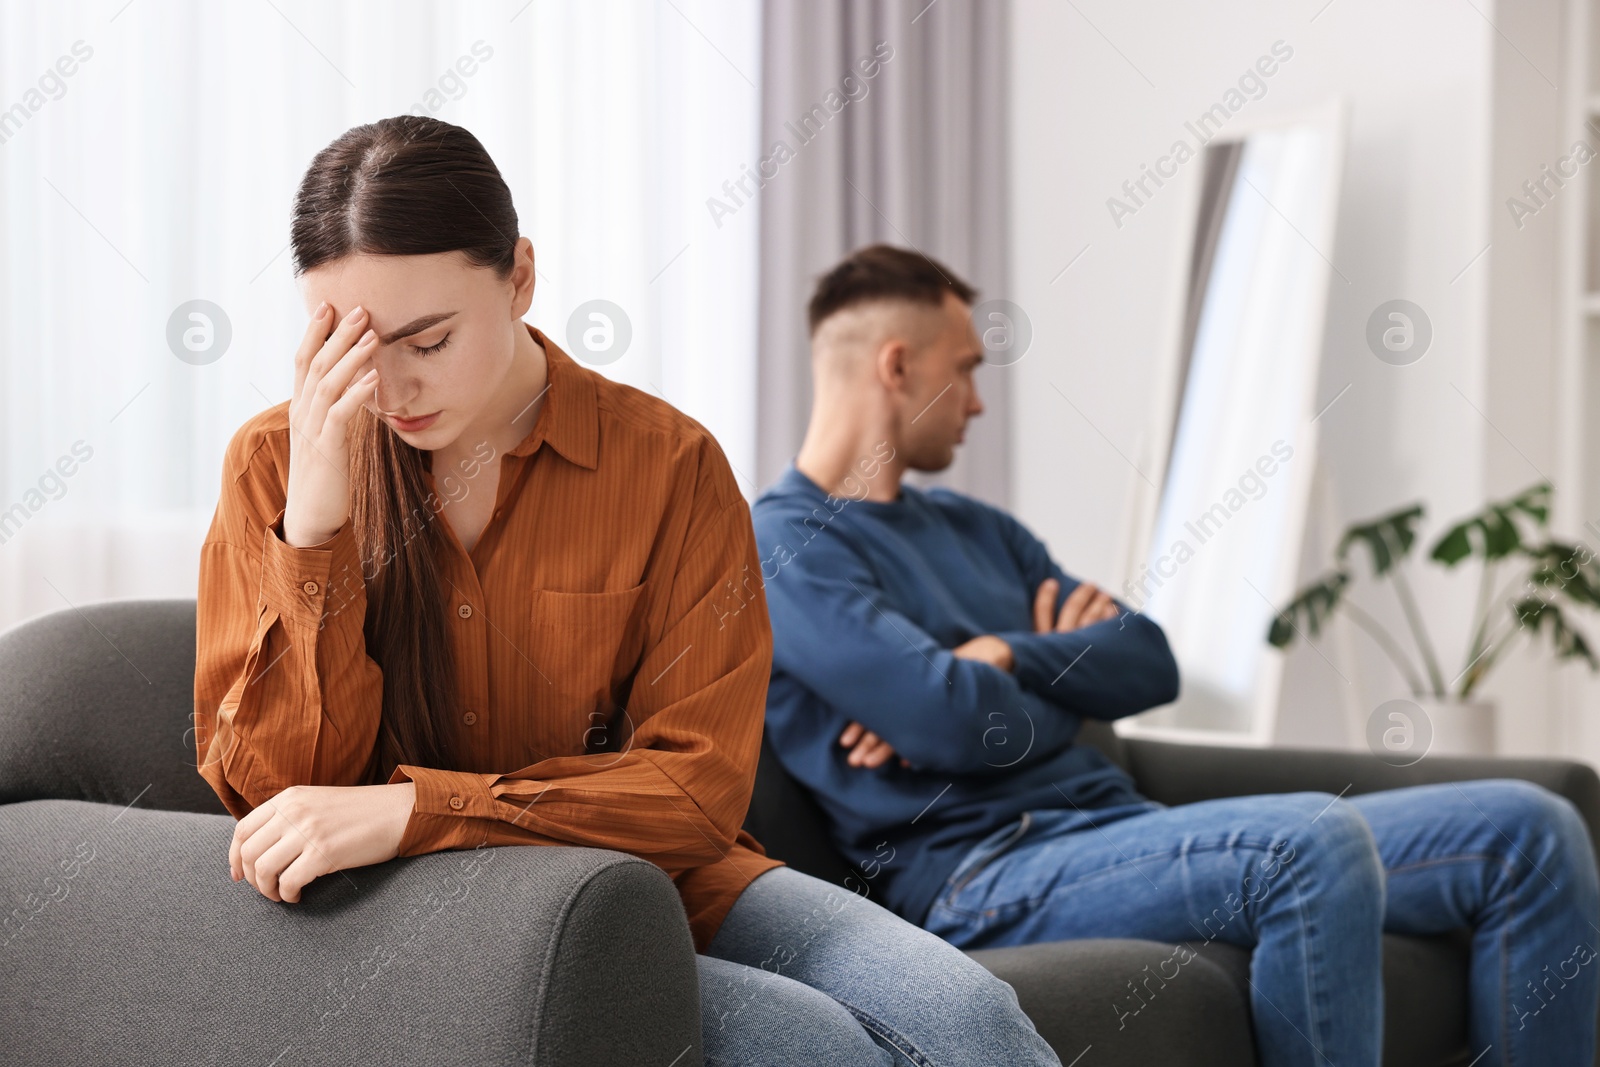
1509,539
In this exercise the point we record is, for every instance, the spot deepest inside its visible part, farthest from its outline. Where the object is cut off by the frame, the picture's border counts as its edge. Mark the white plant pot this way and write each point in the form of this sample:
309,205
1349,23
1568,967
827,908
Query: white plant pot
1460,727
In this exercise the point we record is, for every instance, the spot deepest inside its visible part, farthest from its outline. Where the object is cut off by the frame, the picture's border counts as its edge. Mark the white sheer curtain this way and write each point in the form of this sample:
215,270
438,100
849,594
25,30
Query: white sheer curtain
149,153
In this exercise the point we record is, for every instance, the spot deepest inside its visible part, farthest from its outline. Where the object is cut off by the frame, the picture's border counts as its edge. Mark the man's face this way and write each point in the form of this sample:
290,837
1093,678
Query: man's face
941,394
470,312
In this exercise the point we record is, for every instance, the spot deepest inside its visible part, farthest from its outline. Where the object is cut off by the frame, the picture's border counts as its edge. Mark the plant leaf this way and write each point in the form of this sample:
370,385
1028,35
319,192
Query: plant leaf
1496,527
1501,536
1312,605
1534,501
1497,533
1388,537
1454,546
1569,643
1557,567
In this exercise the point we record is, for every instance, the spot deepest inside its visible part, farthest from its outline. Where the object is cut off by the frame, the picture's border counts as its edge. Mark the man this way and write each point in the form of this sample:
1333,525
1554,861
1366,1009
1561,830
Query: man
932,664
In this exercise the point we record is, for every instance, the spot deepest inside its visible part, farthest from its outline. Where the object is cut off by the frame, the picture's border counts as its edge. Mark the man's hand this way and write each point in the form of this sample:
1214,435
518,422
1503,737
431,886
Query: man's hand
867,749
308,831
987,648
1084,605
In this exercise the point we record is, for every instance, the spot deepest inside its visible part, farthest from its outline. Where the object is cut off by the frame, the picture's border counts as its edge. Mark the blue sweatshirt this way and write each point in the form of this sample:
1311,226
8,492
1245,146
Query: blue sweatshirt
867,601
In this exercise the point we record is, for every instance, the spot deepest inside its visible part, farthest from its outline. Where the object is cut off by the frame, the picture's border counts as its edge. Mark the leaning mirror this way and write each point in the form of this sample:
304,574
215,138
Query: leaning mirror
1216,538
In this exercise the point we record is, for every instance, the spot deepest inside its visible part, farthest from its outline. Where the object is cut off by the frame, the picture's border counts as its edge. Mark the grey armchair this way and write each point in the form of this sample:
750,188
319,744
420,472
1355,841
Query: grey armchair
125,941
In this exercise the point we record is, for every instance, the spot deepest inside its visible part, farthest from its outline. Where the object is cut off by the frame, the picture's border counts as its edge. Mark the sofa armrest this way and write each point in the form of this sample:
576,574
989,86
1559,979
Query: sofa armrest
124,940
1175,773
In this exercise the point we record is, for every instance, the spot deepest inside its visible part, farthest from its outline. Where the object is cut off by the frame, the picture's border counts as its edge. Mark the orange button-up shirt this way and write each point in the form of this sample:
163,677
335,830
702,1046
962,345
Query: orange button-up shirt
615,572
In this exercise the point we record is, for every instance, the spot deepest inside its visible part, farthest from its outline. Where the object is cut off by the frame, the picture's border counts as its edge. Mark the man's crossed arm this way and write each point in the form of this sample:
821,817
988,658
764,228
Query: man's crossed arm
1085,605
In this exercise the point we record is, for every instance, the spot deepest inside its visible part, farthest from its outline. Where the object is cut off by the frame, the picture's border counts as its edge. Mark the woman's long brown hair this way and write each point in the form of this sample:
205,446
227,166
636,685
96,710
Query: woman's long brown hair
403,186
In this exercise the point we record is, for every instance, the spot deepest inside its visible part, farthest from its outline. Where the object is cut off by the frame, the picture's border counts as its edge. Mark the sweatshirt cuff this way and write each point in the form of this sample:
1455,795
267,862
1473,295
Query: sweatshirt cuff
446,802
306,584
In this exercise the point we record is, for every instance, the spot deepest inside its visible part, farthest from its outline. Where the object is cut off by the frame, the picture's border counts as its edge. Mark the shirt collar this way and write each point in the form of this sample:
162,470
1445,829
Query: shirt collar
570,419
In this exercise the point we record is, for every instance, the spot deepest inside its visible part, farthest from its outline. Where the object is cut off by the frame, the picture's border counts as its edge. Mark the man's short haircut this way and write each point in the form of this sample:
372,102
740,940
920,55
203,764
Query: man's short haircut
879,272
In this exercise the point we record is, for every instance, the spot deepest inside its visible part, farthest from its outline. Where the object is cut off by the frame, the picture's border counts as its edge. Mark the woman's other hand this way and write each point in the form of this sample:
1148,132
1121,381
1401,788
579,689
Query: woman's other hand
308,831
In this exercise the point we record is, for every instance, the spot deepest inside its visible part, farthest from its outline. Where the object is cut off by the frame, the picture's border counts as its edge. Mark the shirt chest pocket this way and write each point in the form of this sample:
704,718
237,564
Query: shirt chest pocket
586,647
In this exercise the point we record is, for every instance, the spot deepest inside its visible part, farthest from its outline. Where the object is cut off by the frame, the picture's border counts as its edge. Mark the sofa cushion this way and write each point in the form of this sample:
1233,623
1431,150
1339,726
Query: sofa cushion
1109,995
1112,996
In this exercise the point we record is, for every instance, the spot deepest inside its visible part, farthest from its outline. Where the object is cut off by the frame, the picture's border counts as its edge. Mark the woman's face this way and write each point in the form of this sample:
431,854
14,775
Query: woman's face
446,334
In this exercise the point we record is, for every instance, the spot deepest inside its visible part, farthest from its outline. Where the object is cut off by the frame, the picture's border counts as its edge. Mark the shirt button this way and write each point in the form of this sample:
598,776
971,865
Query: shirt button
465,611
456,802
310,588
470,717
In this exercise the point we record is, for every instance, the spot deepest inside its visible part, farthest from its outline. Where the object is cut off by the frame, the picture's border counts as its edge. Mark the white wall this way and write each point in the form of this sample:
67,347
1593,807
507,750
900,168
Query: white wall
1100,88
1523,365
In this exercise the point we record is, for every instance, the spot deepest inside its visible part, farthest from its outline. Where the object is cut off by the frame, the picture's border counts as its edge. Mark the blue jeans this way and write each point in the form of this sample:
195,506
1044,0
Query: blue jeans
803,973
1310,882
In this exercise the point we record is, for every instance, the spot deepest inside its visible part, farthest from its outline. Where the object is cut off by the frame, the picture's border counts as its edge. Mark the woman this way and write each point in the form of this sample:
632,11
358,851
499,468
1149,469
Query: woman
461,590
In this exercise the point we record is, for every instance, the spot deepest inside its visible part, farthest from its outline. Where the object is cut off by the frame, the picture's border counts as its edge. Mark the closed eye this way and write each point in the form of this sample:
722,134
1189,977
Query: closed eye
431,349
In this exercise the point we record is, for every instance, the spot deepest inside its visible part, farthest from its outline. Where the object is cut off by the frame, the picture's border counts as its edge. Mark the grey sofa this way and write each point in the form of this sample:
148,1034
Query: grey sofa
126,942
1077,992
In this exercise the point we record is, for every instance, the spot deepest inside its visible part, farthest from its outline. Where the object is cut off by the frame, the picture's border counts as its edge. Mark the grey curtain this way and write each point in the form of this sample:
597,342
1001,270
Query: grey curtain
916,158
